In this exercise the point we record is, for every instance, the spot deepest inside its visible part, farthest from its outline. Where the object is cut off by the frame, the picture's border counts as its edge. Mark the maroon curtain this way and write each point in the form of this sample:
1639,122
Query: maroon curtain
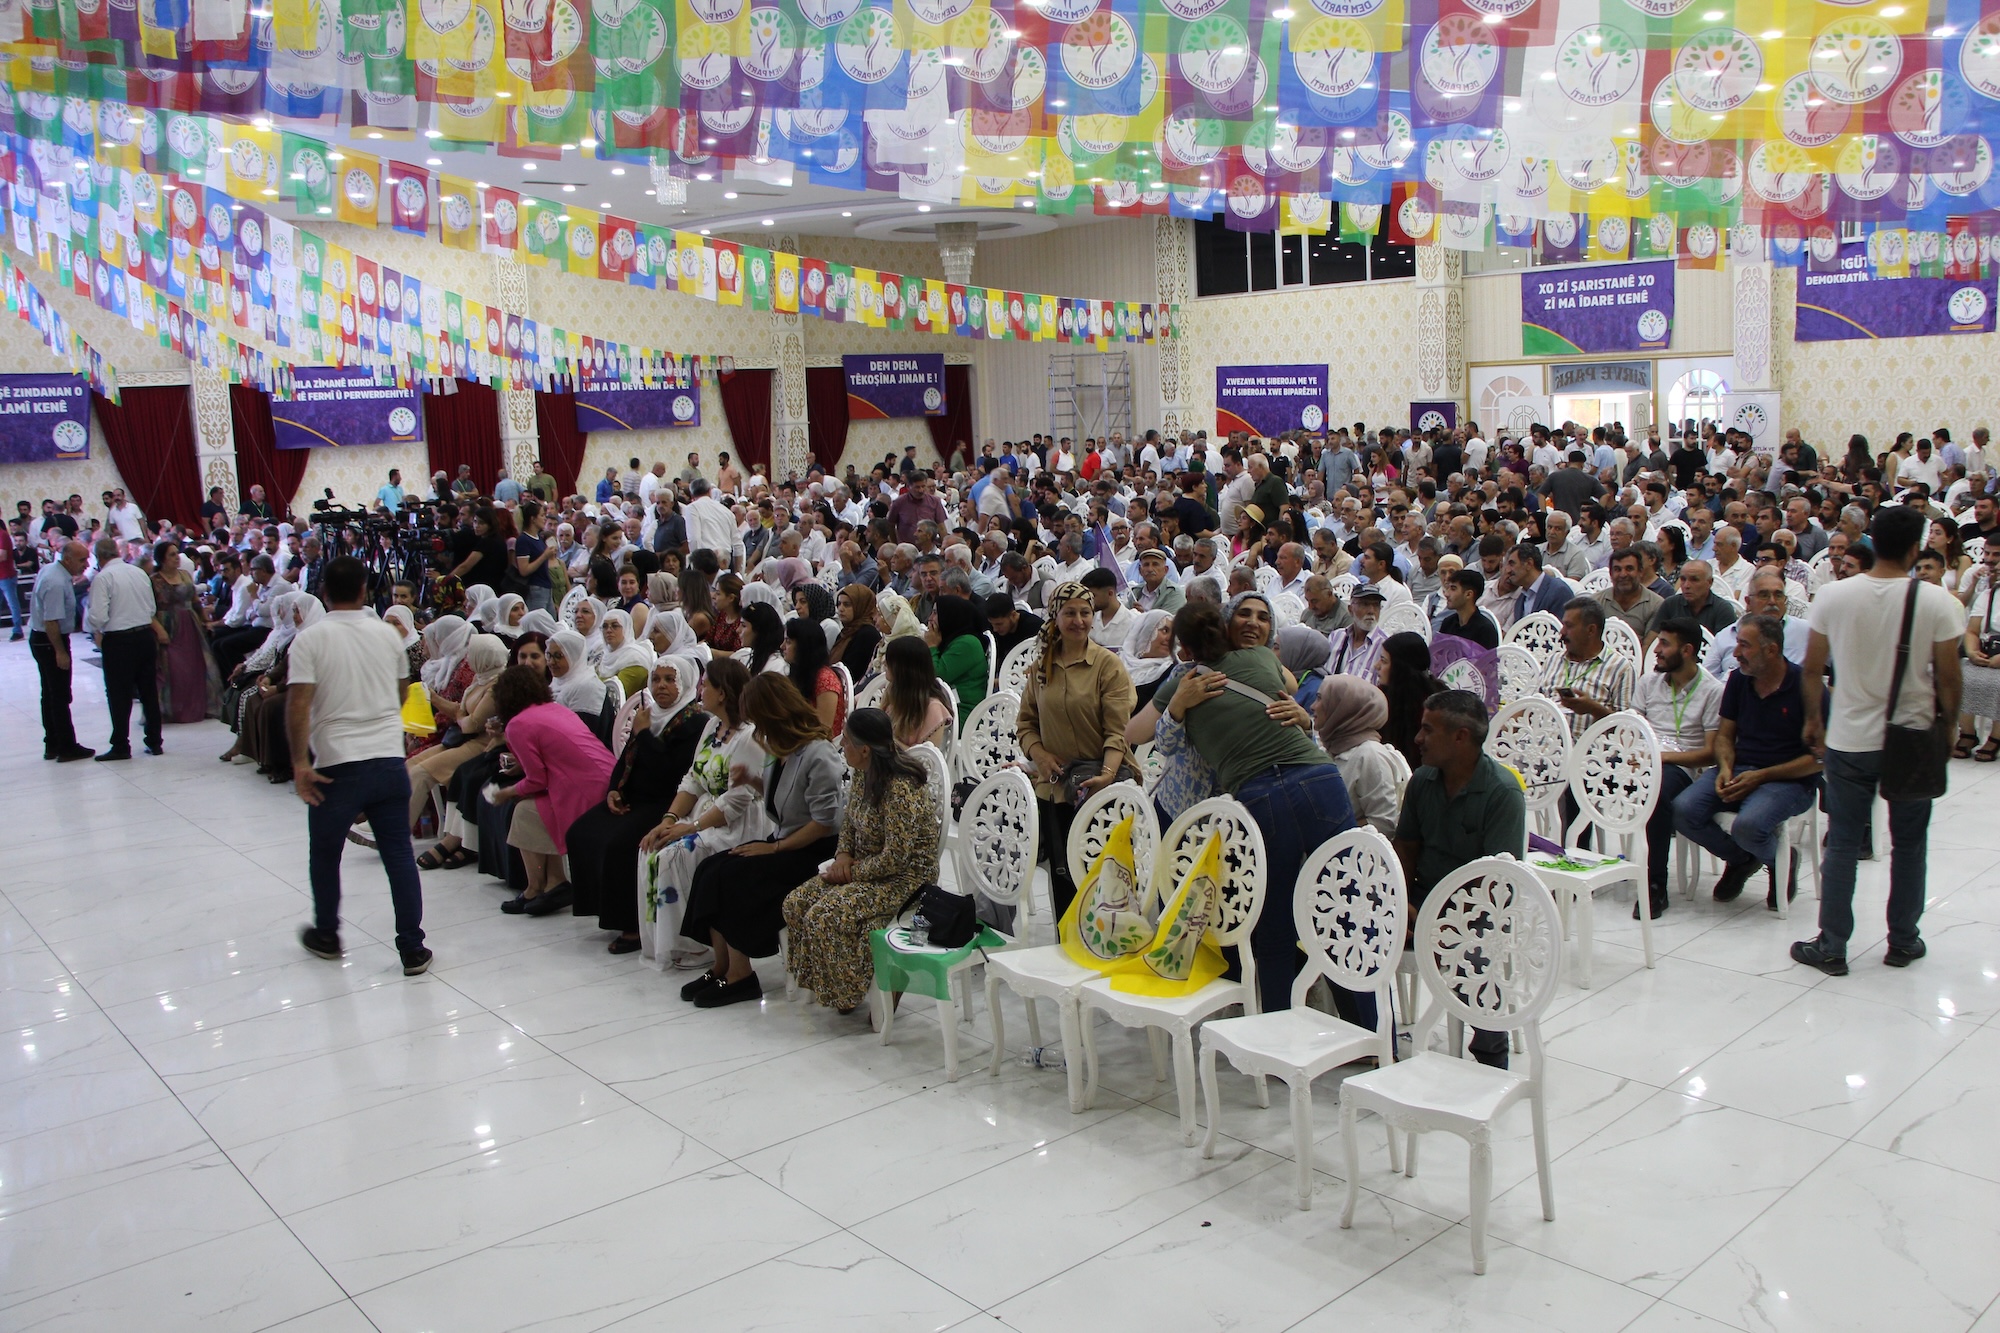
561,442
956,423
746,401
259,461
464,427
826,415
151,434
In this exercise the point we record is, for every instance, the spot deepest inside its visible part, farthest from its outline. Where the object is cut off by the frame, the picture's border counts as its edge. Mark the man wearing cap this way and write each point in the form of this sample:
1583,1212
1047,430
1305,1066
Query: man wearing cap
1151,591
1356,648
1571,486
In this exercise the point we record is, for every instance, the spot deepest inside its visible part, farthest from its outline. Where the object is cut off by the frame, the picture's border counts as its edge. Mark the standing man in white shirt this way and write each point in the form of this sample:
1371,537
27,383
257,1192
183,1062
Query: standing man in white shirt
52,615
344,714
1684,705
122,622
1857,625
711,527
124,518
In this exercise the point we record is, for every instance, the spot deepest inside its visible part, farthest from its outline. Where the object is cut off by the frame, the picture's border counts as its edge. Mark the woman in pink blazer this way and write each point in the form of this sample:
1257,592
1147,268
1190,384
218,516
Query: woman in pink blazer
565,771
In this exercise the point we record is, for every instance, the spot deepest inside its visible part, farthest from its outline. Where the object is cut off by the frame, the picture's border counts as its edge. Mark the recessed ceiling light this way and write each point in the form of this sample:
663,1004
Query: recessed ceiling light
527,166
434,134
479,185
569,148
374,134
704,231
605,204
729,194
923,208
433,161
704,175
618,171
587,143
569,189
770,221
844,213
652,191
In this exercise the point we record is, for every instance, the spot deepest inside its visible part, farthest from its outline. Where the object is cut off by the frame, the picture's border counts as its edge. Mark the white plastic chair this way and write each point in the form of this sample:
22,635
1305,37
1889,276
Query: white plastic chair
1797,604
1350,908
995,858
938,781
1620,640
1288,607
1798,843
829,577
1540,634
1405,616
1520,672
1268,581
1614,778
1045,972
572,599
870,695
1595,582
846,684
1531,736
1014,672
1343,585
992,659
1489,950
989,740
746,655
1242,899
621,724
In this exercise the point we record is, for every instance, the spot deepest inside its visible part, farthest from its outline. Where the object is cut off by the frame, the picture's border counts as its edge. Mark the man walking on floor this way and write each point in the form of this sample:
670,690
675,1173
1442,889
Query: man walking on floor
343,711
52,614
121,620
1857,625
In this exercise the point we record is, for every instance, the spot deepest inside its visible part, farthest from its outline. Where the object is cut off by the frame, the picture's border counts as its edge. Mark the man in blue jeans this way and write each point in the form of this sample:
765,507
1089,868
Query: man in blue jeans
344,713
1763,771
1857,624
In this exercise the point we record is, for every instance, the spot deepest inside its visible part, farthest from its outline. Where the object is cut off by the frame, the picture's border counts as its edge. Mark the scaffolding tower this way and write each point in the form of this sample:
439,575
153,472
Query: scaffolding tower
1090,394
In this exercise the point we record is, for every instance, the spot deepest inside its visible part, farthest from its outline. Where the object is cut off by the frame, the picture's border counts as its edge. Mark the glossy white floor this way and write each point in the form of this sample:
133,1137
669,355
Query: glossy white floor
203,1127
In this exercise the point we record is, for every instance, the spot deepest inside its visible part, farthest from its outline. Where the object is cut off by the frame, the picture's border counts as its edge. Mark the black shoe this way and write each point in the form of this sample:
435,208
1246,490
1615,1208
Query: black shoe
1816,953
701,983
320,943
1895,957
155,748
1734,876
1659,905
1791,887
515,905
550,901
623,945
416,962
730,992
74,753
113,756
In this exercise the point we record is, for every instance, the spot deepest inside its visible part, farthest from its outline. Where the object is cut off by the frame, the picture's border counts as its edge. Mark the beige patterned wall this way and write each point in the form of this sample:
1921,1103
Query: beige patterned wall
1704,319
1362,330
1879,388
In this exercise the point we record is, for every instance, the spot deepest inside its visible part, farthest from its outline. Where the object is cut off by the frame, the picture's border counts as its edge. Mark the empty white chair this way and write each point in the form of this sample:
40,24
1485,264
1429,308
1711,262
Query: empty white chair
1014,672
1268,581
1350,908
1489,951
1614,778
870,695
1406,616
1531,736
1242,899
1046,972
1540,634
990,740
1520,670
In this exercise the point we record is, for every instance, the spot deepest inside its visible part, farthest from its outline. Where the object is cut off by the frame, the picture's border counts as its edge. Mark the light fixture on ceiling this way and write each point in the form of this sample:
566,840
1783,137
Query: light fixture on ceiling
729,194
605,204
586,143
769,222
569,148
433,161
374,134
704,231
434,134
569,189
618,171
923,208
479,185
528,166
844,213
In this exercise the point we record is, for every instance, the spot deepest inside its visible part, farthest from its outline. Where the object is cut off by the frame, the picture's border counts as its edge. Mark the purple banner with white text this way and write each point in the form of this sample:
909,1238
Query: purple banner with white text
638,409
44,418
894,384
1848,300
344,408
1598,308
1267,400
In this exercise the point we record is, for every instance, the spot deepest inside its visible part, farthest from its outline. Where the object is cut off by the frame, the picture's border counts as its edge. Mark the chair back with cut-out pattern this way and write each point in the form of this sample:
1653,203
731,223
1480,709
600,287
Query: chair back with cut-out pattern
1351,909
870,695
937,780
1540,634
1101,813
1405,616
1621,641
1489,947
1595,582
572,599
1614,773
990,741
1019,666
1519,673
1531,736
621,725
1243,863
998,836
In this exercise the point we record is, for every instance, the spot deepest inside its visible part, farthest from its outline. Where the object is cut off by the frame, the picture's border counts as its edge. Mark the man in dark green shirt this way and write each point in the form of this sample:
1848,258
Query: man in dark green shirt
1461,805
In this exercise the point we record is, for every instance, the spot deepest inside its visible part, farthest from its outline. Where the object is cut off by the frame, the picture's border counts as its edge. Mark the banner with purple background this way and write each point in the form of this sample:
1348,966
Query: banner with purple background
1441,414
44,418
1265,400
343,408
1847,300
894,384
637,409
1602,308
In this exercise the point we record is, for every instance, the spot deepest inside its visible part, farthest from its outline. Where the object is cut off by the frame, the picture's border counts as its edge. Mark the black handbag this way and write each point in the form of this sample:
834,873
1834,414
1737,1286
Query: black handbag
1914,759
952,918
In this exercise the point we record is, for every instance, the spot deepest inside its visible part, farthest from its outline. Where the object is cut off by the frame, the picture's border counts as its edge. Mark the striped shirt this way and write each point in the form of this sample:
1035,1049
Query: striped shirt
1606,677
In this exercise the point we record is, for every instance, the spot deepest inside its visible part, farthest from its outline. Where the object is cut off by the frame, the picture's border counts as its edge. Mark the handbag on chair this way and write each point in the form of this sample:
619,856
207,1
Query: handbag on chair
1914,759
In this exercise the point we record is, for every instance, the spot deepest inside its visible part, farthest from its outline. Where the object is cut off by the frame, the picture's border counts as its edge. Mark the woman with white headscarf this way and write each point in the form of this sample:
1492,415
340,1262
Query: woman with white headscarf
539,622
895,620
719,805
627,657
1148,653
431,768
507,618
446,673
262,735
670,636
604,841
589,617
571,680
404,621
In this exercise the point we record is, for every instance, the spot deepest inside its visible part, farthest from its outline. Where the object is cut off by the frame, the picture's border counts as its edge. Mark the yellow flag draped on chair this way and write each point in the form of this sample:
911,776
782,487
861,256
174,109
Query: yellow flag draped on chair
1182,955
1106,921
418,719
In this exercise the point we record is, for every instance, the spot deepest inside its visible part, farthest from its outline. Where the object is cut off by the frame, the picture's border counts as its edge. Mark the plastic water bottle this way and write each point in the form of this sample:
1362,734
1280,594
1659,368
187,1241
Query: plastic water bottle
920,929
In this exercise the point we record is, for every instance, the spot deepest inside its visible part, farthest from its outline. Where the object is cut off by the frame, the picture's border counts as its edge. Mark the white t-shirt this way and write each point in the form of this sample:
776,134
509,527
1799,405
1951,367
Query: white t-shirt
355,662
1861,618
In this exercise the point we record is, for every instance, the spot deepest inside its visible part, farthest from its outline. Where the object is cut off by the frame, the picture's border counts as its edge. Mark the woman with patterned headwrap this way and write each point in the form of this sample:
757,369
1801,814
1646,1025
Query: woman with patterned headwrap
1072,725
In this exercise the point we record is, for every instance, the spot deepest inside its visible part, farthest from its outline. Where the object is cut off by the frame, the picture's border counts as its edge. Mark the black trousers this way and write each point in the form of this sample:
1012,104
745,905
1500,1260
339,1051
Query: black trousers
131,661
58,732
1660,830
233,645
1057,818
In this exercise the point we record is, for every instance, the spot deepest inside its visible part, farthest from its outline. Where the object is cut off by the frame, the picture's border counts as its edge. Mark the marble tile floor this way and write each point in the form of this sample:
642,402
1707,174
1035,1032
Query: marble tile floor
202,1127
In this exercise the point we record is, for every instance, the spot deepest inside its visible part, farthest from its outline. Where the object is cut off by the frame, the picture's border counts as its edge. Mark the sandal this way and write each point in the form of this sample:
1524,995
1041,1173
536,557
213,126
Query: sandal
1987,753
1963,750
432,859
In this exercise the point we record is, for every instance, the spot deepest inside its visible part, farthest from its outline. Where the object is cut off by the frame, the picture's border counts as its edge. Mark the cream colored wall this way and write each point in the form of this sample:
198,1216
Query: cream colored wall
1361,330
1703,323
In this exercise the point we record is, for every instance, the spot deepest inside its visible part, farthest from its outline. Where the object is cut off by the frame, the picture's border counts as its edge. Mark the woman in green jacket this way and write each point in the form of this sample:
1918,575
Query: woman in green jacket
959,651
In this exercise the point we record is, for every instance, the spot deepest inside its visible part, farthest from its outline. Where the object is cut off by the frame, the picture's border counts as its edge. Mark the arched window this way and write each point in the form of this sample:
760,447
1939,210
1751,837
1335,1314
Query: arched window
1697,394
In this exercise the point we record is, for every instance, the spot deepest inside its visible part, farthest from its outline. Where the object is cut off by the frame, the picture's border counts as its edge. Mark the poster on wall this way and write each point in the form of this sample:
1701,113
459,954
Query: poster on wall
894,384
344,408
1440,415
1267,400
44,418
1755,413
1843,297
637,409
1602,308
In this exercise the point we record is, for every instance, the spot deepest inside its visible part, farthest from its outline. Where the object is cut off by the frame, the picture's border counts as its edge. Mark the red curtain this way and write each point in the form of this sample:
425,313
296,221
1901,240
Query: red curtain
151,434
826,415
746,401
956,423
464,427
561,442
259,461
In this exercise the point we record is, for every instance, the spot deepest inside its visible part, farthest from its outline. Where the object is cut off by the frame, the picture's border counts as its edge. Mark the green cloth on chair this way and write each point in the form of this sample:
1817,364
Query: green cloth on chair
924,973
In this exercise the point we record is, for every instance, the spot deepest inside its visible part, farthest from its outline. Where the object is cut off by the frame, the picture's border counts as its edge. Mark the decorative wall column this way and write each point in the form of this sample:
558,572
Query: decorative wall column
1440,323
520,437
791,445
1173,281
214,432
1753,309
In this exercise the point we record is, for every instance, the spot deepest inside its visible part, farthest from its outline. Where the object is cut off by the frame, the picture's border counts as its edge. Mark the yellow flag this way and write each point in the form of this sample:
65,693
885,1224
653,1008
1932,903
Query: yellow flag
360,194
1107,920
458,213
250,158
1182,956
868,297
784,282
